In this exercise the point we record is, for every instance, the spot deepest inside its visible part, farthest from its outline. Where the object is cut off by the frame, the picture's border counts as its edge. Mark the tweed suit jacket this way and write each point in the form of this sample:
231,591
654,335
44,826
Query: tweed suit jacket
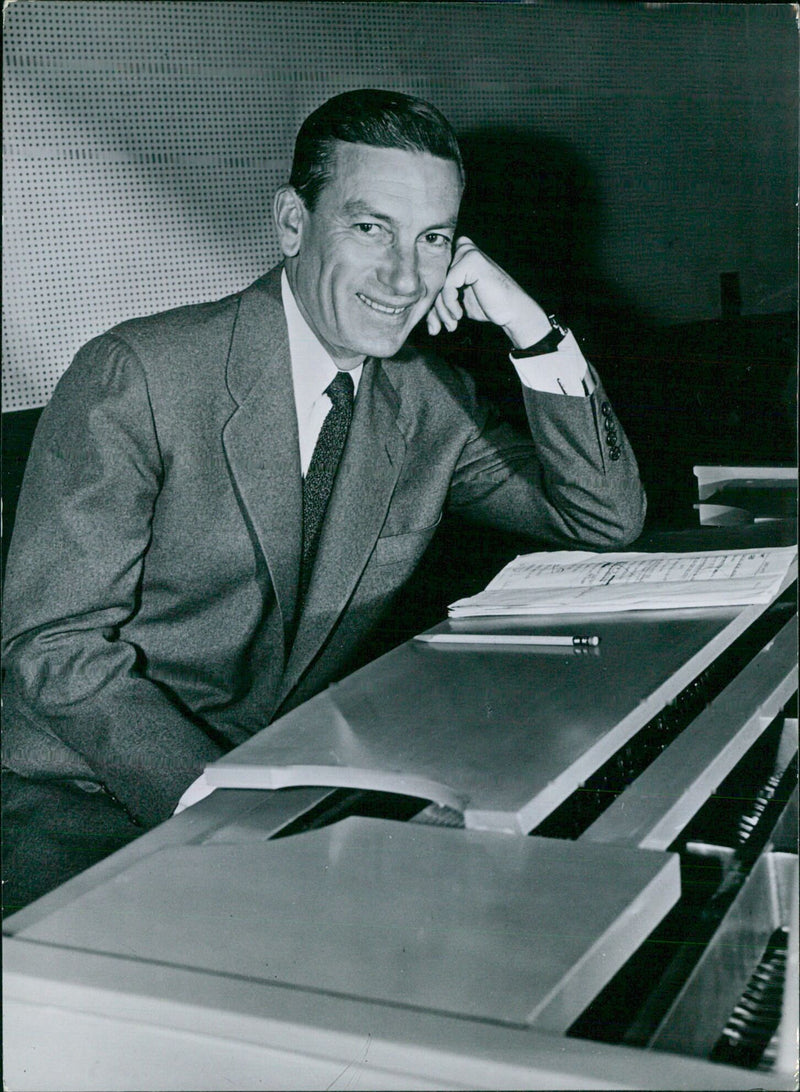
151,616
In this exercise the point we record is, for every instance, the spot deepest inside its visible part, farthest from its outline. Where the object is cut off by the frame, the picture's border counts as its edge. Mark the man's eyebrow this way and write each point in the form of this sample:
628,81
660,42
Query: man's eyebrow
450,223
355,207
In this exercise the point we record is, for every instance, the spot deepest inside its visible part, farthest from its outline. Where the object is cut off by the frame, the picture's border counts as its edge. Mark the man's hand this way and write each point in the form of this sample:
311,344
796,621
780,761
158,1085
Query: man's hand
479,288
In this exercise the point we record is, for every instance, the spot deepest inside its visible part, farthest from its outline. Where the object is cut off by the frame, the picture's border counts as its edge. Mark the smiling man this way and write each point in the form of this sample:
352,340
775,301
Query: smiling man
223,501
366,261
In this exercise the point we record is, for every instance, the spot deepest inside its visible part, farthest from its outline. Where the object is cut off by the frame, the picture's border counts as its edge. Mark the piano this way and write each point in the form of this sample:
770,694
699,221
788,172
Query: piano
472,868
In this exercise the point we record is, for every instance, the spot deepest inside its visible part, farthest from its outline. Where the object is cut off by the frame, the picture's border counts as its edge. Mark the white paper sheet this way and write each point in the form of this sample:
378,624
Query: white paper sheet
578,581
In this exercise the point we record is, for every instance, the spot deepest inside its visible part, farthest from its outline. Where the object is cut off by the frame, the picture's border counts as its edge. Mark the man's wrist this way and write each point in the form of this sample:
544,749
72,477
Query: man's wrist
548,344
530,325
563,371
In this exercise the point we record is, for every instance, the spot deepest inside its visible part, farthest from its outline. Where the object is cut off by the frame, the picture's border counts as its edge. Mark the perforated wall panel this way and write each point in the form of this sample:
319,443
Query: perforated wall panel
144,141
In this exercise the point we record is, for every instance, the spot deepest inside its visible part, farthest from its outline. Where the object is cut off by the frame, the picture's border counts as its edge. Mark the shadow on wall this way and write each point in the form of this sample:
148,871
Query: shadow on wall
718,391
532,204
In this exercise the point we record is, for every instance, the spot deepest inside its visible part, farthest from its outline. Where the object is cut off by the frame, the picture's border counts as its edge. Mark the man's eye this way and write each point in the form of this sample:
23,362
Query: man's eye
368,229
435,239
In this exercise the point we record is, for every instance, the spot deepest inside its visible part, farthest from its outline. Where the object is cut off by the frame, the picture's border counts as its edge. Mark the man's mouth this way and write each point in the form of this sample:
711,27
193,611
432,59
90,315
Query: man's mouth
384,308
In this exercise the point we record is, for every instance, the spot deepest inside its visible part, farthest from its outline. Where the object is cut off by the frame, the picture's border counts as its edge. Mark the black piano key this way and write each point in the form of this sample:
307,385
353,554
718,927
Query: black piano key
752,1025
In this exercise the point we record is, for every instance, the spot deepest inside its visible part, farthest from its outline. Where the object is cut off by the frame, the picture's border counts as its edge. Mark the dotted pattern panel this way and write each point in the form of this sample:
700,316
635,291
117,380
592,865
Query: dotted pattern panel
144,141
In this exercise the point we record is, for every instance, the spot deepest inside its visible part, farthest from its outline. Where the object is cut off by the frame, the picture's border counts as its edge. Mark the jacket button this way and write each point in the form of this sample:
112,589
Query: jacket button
615,454
605,409
612,437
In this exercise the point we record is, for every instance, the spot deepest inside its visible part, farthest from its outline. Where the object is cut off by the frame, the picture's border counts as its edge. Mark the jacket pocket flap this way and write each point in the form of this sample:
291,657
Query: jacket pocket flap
390,548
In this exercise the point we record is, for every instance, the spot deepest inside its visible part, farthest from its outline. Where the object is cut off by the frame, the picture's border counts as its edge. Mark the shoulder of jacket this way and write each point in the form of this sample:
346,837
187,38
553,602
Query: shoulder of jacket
176,319
191,326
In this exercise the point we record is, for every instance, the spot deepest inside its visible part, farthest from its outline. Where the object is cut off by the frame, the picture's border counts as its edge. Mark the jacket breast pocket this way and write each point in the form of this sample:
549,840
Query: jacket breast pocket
408,546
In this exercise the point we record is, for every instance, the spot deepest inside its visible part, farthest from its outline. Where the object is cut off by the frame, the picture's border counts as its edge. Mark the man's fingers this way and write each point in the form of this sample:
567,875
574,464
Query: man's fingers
448,309
447,303
433,321
478,287
473,307
448,317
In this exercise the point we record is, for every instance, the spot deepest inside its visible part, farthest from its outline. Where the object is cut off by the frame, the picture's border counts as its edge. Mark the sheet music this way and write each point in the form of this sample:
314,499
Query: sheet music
579,581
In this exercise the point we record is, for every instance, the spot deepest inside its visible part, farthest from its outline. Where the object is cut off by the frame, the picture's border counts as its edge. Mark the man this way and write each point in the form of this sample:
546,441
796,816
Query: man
188,562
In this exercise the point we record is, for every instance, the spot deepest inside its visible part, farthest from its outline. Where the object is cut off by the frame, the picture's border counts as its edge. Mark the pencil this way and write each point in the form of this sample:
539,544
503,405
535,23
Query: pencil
579,641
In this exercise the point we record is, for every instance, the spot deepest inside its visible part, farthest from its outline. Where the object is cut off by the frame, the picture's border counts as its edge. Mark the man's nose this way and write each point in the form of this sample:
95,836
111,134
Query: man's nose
400,271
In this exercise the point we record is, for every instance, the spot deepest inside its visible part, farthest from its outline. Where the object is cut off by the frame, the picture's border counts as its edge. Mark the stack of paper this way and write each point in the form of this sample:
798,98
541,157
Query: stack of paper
576,582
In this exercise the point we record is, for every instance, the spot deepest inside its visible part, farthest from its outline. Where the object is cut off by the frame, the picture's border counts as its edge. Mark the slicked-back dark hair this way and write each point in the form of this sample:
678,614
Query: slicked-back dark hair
381,119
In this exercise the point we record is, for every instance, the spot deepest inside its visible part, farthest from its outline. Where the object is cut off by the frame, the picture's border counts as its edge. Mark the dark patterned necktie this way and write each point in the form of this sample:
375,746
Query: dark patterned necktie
321,472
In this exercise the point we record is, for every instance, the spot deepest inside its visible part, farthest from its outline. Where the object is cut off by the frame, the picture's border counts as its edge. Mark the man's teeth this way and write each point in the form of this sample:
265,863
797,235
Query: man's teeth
381,306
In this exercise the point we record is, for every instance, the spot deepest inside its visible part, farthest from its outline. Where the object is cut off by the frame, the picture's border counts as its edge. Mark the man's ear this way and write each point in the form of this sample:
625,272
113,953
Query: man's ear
289,213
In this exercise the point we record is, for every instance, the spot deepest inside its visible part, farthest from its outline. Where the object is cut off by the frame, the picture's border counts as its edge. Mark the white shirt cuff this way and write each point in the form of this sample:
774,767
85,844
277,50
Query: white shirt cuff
197,791
563,371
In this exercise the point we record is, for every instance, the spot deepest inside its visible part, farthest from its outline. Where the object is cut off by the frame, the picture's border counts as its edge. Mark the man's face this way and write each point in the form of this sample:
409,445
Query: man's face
374,252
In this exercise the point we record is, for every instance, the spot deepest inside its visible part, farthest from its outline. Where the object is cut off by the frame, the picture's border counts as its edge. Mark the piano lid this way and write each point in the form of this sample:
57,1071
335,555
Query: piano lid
502,734
517,930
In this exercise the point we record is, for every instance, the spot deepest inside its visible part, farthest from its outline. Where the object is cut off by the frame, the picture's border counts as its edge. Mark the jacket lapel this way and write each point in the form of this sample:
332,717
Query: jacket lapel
260,439
356,511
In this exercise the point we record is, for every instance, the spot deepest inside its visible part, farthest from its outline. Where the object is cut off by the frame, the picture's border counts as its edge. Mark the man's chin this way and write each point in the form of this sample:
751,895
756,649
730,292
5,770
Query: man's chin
376,338
384,347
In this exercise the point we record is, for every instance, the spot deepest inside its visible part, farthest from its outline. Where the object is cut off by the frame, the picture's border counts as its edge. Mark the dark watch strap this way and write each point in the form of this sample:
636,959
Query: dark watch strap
548,344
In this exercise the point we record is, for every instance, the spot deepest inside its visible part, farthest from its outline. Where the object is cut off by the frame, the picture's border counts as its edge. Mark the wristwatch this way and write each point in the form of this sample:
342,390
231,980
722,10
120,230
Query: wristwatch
548,344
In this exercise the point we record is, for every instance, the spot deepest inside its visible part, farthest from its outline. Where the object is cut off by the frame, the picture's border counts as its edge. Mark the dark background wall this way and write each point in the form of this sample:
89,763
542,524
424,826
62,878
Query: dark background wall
633,165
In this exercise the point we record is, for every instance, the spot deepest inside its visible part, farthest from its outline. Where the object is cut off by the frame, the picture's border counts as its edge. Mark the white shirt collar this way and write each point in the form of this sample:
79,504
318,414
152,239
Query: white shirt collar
313,368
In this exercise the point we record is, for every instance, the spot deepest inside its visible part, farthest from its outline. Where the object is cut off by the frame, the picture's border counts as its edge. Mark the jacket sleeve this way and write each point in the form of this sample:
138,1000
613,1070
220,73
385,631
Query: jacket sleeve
77,702
574,481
